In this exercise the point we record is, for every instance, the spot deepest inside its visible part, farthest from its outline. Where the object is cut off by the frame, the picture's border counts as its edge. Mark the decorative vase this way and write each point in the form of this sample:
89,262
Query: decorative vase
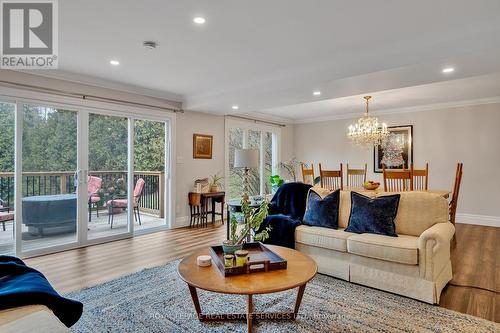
230,249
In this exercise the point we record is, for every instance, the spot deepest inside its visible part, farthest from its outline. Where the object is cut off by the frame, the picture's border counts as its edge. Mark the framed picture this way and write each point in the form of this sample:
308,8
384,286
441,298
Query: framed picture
202,146
404,137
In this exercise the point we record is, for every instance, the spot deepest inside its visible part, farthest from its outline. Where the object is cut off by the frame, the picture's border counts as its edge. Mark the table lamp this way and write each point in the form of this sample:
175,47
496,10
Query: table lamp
246,159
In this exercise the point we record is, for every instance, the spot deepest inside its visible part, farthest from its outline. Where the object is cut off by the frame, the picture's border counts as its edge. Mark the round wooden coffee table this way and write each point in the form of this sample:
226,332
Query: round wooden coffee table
300,269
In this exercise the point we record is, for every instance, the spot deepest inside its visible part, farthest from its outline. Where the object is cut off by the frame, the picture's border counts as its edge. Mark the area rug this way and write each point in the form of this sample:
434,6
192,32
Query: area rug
157,300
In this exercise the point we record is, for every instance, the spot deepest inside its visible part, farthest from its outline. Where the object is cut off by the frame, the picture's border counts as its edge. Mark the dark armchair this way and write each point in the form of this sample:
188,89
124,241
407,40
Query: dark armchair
286,210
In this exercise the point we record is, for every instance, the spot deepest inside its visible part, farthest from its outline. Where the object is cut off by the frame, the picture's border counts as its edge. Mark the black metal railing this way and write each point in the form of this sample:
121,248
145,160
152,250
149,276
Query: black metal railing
51,183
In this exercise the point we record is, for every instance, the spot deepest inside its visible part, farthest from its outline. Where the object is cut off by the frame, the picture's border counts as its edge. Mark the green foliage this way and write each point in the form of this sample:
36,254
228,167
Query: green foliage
50,141
253,218
276,180
215,180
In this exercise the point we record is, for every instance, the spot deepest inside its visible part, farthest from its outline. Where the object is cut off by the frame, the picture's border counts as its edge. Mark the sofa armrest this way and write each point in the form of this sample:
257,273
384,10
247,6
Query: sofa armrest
434,249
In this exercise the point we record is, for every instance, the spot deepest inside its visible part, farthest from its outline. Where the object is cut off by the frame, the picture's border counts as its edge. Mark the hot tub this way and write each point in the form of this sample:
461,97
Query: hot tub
50,214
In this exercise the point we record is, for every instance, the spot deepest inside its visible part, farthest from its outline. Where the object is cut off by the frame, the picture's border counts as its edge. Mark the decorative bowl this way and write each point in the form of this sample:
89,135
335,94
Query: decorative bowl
371,187
230,249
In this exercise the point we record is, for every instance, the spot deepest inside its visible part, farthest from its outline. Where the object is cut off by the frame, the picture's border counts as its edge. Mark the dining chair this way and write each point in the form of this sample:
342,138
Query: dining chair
307,174
331,179
420,178
356,177
454,197
397,180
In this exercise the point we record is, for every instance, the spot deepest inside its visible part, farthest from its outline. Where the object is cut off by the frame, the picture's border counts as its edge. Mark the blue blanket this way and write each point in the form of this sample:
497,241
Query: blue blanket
21,285
286,211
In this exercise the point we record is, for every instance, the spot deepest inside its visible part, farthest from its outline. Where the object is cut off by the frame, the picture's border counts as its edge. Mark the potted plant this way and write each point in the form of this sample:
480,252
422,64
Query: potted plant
252,218
276,181
215,183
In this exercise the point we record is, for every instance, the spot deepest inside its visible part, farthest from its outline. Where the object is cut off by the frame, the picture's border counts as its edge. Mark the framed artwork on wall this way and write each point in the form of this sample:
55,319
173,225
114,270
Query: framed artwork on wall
398,149
202,146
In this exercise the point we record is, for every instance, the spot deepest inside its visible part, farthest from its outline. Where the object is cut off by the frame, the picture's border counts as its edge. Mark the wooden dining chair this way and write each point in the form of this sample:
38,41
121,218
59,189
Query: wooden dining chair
454,197
397,180
307,174
356,177
331,179
420,178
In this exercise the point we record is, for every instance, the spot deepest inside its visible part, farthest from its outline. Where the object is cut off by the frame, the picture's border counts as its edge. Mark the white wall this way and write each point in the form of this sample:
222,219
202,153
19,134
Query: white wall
189,169
441,137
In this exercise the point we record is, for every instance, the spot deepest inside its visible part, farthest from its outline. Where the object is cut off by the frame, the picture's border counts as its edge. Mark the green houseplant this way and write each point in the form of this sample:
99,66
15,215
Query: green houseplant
276,181
215,183
253,218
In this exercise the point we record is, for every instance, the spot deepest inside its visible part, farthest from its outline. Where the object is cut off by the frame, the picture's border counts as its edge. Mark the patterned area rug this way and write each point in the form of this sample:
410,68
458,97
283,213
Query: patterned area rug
157,300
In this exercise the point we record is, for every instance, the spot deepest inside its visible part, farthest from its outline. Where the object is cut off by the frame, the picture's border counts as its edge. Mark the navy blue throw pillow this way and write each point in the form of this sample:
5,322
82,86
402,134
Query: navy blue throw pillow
373,215
323,212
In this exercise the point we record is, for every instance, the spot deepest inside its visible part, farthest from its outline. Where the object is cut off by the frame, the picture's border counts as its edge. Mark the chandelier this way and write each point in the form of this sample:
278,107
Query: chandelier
367,132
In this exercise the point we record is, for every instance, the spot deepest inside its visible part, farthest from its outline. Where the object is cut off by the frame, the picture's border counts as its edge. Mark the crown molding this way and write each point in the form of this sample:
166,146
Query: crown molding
420,108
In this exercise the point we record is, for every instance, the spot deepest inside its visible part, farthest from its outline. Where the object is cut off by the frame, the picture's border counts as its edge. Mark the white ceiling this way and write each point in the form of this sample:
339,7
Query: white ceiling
268,56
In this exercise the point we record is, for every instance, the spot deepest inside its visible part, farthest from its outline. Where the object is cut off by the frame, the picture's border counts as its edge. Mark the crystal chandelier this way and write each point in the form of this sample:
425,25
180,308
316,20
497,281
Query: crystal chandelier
367,132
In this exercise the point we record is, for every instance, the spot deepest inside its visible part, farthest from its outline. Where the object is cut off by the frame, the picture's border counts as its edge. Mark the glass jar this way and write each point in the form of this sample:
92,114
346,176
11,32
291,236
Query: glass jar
228,260
241,257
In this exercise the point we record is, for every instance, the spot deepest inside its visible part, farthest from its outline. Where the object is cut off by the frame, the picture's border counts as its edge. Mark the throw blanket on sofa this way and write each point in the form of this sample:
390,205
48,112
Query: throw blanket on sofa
286,210
21,285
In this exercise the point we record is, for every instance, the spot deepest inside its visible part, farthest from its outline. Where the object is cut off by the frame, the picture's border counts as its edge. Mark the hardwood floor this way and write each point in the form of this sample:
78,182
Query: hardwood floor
475,263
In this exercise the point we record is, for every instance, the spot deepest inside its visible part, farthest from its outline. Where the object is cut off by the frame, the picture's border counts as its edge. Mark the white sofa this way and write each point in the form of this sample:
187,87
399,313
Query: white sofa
415,264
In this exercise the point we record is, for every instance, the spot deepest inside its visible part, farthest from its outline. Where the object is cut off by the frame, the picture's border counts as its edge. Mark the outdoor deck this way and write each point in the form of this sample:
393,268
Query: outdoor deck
97,228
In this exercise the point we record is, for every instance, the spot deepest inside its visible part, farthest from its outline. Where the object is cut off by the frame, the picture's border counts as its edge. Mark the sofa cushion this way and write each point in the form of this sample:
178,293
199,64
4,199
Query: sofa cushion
402,249
333,239
322,211
345,206
373,215
418,211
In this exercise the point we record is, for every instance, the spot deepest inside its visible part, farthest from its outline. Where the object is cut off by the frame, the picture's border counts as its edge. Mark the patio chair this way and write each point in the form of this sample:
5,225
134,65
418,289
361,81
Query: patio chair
122,202
5,214
93,187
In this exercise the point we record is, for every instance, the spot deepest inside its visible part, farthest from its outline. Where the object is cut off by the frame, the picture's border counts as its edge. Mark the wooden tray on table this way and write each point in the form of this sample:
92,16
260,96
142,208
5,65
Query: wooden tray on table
260,259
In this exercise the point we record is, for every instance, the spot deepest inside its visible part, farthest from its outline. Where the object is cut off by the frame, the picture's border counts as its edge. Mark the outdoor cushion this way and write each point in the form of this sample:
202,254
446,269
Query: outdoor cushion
402,249
95,199
6,216
122,203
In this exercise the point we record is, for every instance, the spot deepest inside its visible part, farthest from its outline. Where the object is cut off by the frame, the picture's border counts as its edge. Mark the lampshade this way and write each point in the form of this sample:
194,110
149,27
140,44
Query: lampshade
246,158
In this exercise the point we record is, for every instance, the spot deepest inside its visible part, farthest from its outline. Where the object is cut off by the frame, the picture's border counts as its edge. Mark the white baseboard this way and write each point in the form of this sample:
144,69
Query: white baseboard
181,221
490,221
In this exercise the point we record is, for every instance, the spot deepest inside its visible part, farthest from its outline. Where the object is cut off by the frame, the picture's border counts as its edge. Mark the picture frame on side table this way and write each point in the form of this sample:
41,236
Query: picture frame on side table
202,146
405,134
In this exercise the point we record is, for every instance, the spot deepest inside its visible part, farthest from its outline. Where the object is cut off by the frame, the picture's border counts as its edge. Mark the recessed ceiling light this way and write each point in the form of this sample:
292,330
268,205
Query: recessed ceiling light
114,62
235,107
199,20
448,70
317,93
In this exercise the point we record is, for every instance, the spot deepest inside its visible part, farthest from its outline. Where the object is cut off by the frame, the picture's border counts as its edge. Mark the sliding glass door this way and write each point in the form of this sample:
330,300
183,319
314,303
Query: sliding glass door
49,168
149,173
72,176
7,187
107,185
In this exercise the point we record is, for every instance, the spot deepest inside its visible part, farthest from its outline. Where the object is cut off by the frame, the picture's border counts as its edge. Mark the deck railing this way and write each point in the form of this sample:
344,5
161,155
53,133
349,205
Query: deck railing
58,182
